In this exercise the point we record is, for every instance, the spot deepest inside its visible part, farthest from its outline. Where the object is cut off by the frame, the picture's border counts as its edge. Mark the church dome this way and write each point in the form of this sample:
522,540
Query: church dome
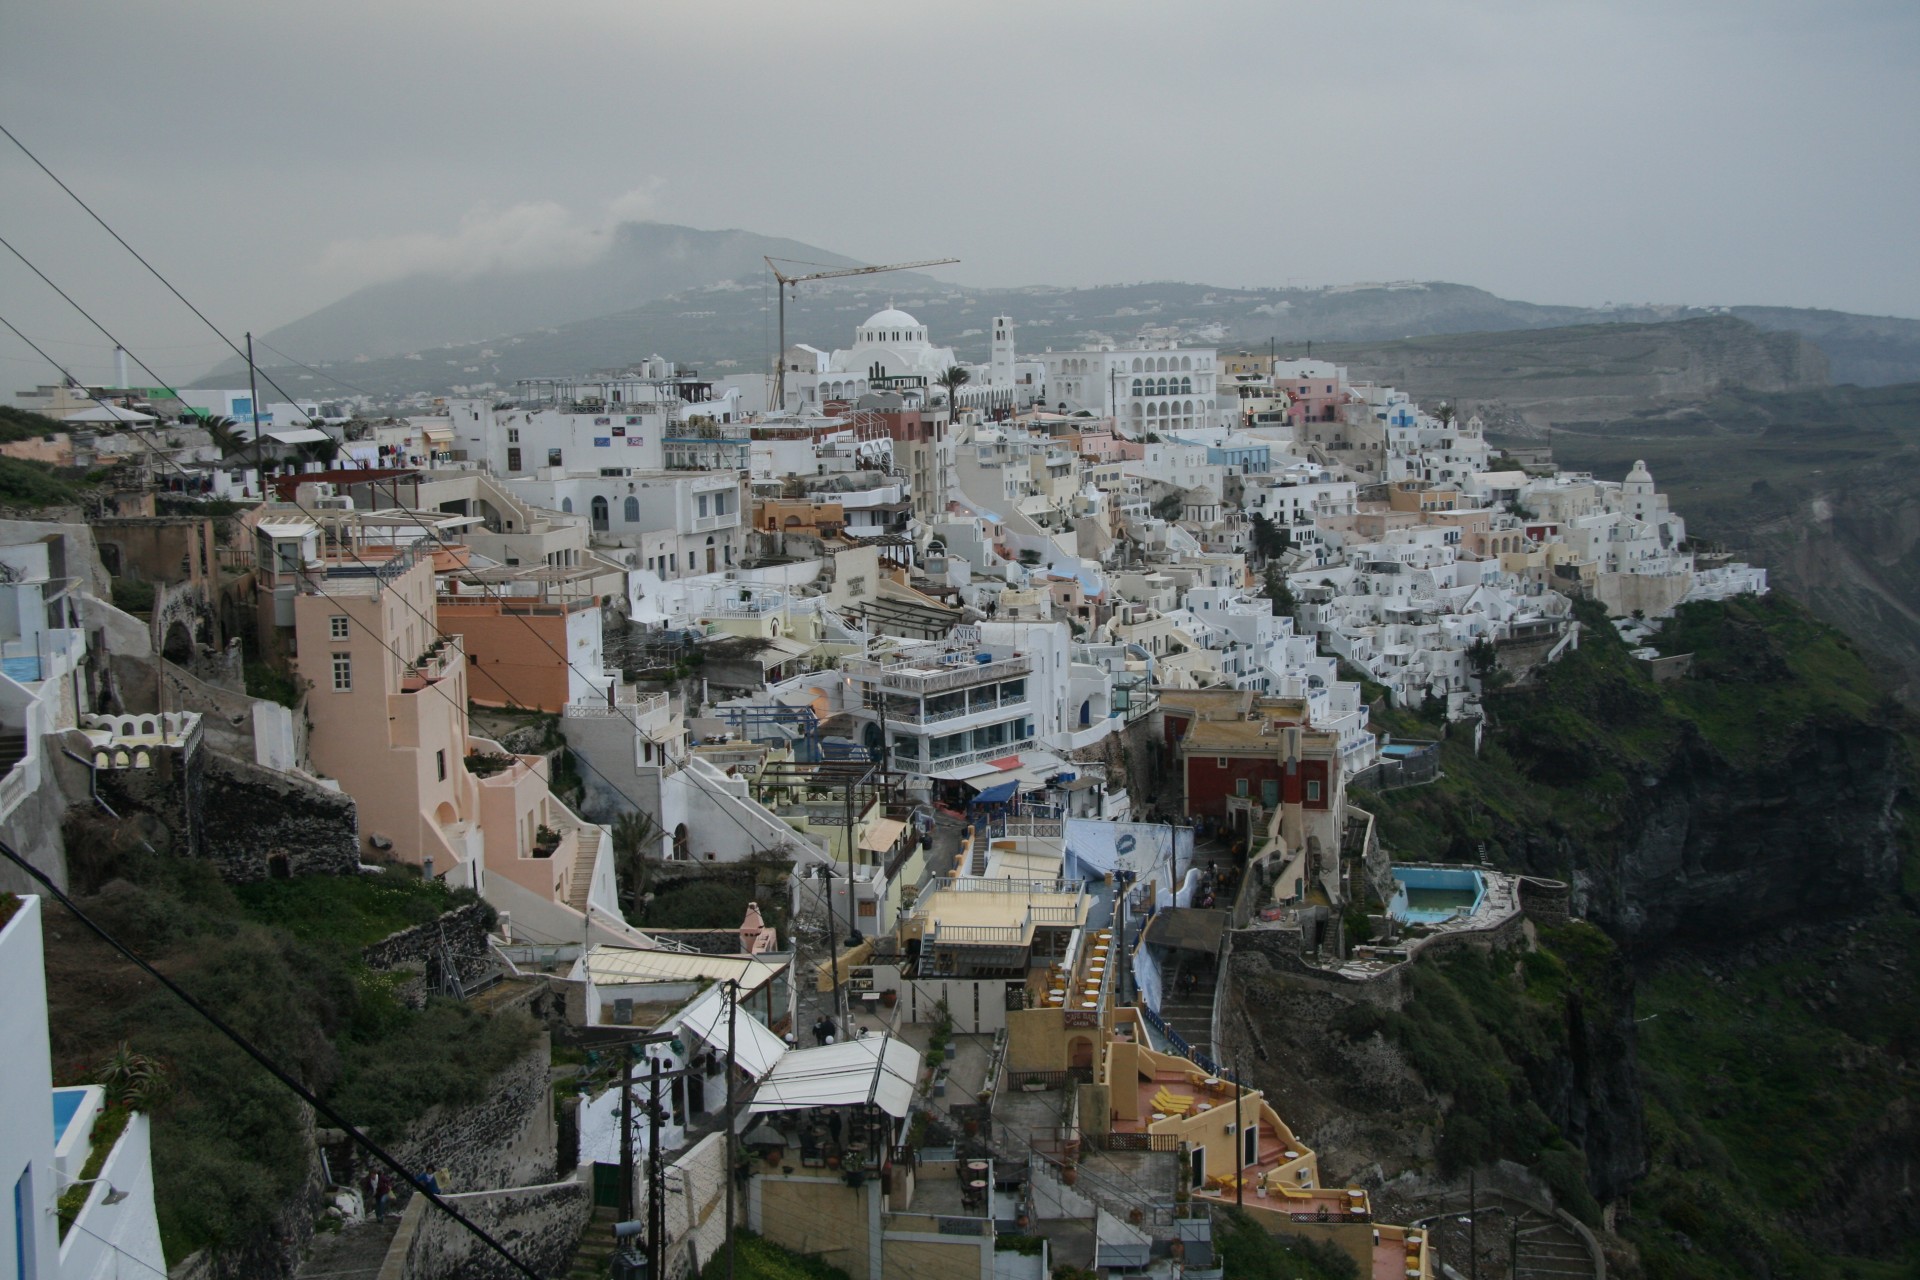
1639,474
890,319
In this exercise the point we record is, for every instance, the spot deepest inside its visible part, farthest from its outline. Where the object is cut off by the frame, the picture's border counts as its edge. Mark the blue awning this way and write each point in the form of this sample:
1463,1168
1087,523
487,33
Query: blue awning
1001,794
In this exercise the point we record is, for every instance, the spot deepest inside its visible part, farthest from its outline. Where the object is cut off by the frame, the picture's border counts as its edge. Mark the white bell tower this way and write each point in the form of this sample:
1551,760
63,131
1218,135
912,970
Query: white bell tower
1000,367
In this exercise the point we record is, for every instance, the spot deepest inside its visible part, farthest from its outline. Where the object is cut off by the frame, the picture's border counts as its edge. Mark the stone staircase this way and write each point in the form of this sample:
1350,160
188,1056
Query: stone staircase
592,1260
1192,1016
580,879
977,864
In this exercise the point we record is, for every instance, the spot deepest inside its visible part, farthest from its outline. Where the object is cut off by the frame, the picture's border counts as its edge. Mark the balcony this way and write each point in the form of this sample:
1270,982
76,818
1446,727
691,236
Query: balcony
433,665
921,715
957,671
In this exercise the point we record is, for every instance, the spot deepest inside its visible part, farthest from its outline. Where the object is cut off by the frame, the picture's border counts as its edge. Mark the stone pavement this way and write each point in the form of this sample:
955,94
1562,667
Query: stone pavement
355,1252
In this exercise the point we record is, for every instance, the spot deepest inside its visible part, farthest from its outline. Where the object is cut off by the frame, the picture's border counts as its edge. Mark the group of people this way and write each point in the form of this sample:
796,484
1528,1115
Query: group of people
376,1191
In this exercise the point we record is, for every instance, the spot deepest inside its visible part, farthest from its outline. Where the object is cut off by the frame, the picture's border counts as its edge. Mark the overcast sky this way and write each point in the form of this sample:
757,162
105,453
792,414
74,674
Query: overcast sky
272,157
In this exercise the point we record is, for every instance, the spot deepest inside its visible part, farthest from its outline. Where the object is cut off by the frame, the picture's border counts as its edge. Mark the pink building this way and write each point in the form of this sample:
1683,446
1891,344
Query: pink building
387,699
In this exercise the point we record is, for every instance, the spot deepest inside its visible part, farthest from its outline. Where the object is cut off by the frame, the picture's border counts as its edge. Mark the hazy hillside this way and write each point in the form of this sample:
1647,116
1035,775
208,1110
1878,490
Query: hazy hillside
1531,380
702,298
644,260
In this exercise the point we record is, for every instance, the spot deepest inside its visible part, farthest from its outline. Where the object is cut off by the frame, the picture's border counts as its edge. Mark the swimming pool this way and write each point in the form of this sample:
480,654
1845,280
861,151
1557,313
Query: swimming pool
1431,895
66,1102
1398,750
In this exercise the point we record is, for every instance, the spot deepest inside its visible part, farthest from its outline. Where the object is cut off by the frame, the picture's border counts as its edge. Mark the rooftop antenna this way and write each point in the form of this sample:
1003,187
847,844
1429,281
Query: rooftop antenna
784,281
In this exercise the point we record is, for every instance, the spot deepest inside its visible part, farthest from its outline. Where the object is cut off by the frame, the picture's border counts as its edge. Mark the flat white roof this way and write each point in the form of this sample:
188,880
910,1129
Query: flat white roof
878,1069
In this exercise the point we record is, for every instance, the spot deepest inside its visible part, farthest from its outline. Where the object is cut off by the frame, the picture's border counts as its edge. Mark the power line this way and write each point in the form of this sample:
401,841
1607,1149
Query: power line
153,270
260,1056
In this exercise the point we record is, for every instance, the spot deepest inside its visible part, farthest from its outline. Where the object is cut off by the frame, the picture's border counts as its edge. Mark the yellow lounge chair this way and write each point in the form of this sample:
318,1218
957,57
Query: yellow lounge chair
1174,1104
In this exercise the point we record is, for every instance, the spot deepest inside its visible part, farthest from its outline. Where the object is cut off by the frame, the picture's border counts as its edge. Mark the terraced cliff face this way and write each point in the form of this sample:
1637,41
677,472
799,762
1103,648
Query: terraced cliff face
1822,487
1760,789
1737,842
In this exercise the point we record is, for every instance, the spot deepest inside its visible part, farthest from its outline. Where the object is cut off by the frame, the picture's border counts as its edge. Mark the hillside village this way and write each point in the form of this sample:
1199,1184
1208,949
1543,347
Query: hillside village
1032,697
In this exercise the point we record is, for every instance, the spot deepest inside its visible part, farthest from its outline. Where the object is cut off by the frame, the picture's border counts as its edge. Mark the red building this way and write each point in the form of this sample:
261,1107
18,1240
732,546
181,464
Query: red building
1241,757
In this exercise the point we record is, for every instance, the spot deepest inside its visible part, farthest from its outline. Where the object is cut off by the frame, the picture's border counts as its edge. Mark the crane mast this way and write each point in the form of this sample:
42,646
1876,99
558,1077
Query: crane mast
785,281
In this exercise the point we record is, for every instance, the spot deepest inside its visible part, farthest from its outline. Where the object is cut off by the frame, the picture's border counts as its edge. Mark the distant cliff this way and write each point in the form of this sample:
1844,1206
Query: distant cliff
1528,381
1822,487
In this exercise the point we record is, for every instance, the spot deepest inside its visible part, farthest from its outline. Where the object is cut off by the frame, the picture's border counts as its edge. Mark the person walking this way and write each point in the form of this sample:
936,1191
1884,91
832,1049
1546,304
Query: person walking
382,1194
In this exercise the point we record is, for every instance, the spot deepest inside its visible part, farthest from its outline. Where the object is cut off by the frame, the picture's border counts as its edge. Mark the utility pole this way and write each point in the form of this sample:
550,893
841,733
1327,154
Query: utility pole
626,1133
253,401
733,1008
1239,1144
656,1179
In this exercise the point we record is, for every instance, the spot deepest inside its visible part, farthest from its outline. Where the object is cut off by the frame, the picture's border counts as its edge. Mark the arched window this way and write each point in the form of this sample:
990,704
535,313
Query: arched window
1136,364
599,509
566,505
1186,386
1186,362
1136,383
632,511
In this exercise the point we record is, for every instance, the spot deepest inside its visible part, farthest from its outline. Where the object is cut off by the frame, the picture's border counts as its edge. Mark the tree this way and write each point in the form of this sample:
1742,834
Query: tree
953,379
1276,590
1483,660
1270,537
224,433
1167,506
1445,414
631,833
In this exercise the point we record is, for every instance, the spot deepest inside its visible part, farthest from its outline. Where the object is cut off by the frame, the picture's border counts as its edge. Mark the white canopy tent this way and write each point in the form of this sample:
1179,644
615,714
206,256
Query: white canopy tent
880,1070
756,1050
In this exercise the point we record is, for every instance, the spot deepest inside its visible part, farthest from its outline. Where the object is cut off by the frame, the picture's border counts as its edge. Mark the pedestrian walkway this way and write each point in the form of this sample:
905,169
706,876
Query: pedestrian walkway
355,1252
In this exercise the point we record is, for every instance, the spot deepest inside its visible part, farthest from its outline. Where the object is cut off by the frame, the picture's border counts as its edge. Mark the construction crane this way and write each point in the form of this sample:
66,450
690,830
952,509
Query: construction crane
786,281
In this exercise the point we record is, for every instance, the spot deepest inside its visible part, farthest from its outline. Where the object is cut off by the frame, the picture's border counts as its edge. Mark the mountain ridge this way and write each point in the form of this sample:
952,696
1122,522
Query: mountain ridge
690,294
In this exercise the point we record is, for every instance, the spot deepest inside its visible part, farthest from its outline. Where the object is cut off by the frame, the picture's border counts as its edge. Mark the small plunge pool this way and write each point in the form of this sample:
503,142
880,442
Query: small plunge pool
1433,895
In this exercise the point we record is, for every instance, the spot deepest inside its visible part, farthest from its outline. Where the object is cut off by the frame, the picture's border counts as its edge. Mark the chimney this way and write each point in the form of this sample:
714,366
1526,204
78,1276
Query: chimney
120,366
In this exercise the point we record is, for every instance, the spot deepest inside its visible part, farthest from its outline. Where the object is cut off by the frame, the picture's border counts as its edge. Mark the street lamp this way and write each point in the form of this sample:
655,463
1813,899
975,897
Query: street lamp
114,1194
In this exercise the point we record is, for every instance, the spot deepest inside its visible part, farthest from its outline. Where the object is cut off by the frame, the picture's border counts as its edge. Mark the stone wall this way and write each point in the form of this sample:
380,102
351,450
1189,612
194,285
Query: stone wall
250,816
539,1225
460,933
506,1139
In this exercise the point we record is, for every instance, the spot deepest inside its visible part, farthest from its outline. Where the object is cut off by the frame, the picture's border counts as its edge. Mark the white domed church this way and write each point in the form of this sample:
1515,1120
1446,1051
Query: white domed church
890,350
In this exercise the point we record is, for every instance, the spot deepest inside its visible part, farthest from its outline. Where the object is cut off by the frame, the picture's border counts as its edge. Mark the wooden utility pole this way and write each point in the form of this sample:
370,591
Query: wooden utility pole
733,1008
1240,1147
626,1133
656,1179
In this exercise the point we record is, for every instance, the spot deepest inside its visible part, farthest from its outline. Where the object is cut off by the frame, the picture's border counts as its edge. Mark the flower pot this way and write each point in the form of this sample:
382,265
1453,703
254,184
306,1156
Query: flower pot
1070,1175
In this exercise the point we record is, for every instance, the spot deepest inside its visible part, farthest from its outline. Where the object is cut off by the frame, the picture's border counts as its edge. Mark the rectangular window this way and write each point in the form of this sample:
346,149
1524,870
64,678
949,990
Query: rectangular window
1240,787
1220,762
702,502
343,673
513,435
513,459
337,627
1313,791
440,763
553,458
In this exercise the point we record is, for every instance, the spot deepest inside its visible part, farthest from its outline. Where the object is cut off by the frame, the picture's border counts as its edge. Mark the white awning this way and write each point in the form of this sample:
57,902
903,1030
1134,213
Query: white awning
966,772
755,1048
625,966
110,413
297,435
879,1069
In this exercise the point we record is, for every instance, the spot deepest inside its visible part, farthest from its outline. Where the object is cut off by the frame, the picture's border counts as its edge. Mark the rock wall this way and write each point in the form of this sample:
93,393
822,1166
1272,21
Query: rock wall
1713,847
539,1225
460,934
505,1140
251,816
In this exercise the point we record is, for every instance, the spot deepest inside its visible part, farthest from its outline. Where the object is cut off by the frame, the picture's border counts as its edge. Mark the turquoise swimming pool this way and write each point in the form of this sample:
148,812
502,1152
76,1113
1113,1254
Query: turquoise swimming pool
66,1102
1431,895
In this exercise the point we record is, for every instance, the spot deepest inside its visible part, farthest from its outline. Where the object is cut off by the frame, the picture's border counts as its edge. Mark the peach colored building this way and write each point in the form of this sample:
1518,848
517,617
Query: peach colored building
524,651
387,696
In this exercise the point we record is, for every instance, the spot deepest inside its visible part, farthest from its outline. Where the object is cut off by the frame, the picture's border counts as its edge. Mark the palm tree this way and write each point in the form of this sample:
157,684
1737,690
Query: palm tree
224,432
631,833
953,379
